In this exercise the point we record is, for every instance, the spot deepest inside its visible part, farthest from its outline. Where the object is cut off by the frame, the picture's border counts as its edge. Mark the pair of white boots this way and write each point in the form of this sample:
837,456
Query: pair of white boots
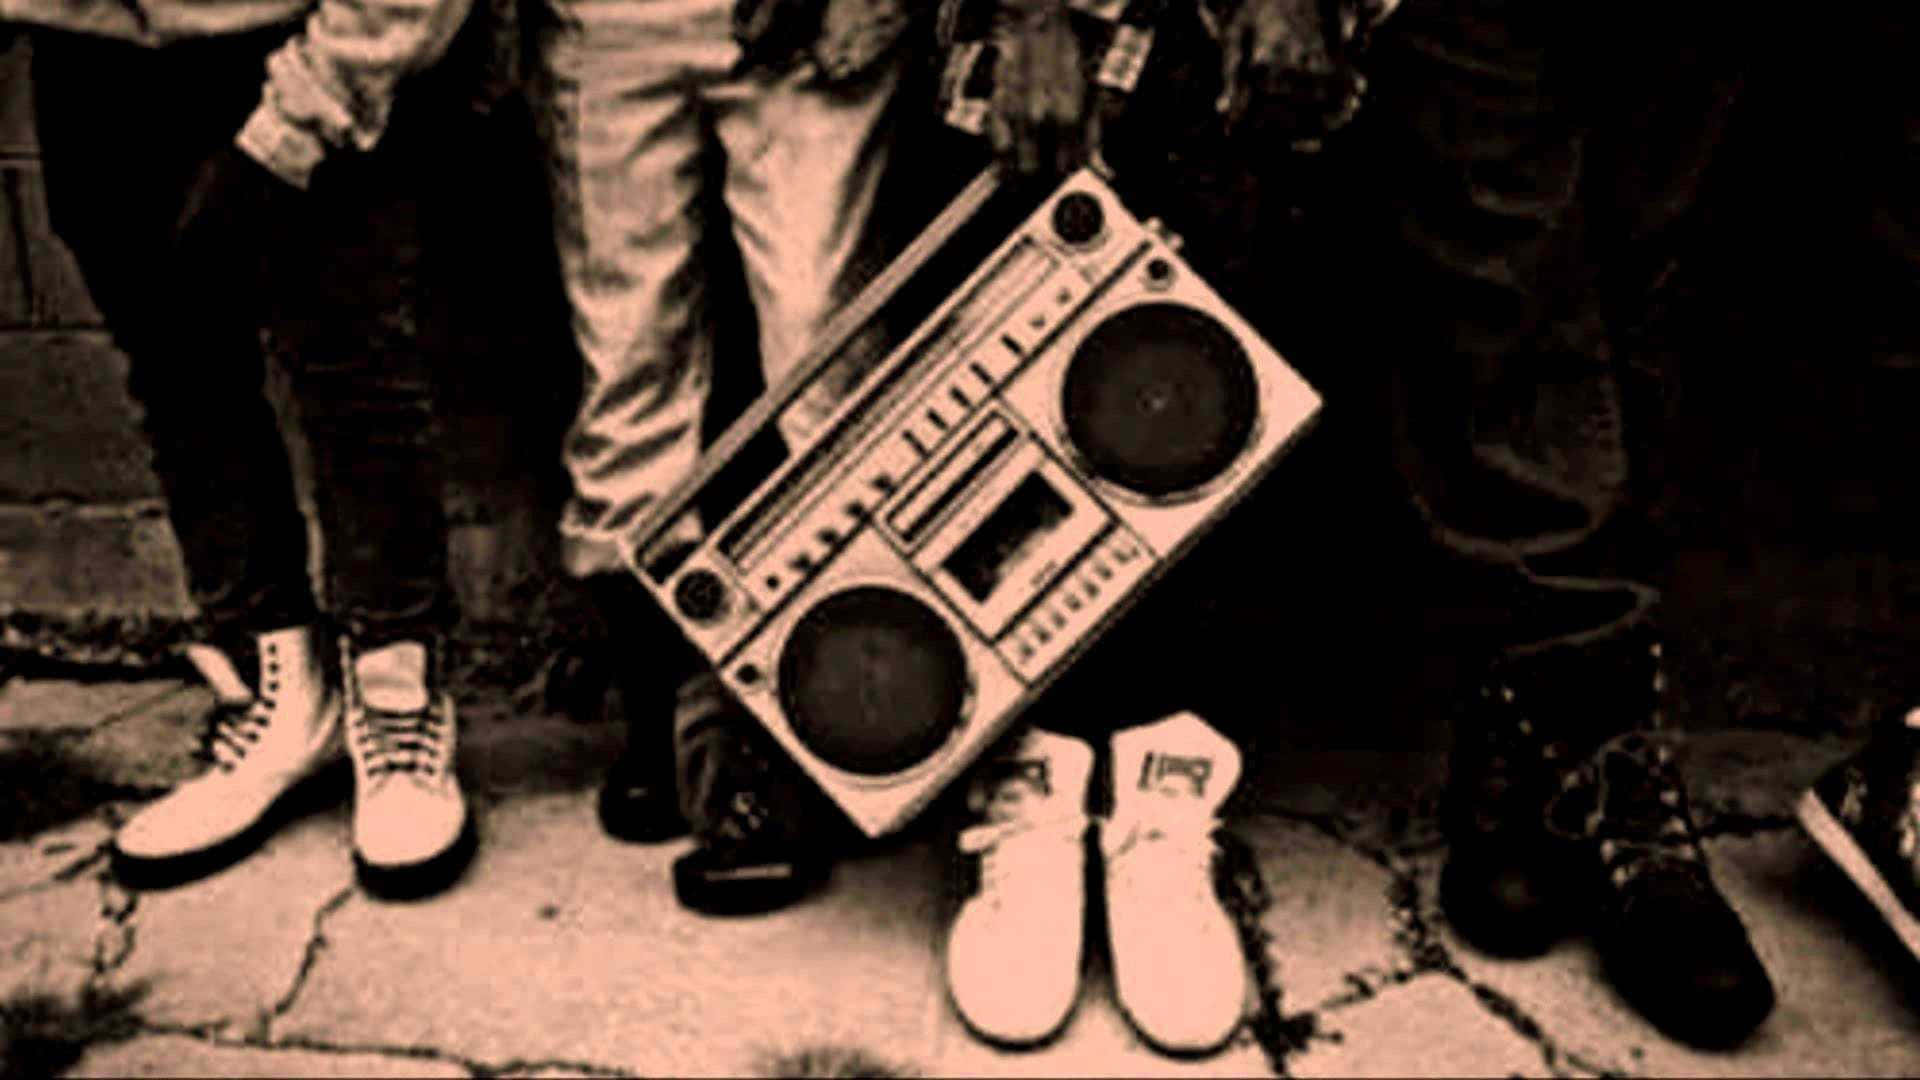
1014,951
411,827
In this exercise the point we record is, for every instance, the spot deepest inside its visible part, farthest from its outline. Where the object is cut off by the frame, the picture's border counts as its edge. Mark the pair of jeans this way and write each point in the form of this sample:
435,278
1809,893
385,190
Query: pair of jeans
118,166
661,146
1506,395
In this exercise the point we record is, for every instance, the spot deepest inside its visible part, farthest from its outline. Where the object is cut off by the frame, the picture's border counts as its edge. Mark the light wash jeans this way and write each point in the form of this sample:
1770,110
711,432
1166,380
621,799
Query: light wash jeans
642,109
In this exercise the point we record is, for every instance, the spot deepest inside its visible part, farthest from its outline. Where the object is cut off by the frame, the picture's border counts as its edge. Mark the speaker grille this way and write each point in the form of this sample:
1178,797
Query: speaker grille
1159,399
873,681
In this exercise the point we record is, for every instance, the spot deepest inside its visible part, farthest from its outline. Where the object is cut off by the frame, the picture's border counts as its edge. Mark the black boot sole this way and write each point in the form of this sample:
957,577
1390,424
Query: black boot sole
747,889
416,881
639,821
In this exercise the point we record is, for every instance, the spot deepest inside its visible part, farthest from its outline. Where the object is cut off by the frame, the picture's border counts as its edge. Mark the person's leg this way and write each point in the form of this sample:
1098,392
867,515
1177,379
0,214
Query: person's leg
347,309
196,369
1510,438
802,163
627,164
194,362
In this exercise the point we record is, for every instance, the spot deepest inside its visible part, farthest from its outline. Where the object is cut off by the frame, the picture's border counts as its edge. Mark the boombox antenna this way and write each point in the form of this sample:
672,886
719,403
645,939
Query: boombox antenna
839,330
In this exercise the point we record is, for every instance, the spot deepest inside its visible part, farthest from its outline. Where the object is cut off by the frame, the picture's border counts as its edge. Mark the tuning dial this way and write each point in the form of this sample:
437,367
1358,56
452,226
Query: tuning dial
1078,219
701,595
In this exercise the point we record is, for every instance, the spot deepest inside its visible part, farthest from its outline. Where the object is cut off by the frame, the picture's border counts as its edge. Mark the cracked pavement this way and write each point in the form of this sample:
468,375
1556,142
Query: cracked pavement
562,953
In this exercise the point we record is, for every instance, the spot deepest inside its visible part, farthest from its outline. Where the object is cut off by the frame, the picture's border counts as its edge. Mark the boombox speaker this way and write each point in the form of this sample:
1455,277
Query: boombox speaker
990,496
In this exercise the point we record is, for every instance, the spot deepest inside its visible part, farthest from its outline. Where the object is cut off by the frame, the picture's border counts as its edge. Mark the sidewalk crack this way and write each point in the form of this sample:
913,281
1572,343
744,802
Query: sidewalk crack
212,1034
520,1067
1427,954
316,944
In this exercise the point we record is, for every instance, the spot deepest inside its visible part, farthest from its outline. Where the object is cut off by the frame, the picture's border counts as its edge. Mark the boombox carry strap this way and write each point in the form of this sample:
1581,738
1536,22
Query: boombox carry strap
839,330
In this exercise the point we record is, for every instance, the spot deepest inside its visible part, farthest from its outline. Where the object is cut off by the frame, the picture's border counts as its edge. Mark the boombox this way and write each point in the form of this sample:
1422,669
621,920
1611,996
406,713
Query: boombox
989,497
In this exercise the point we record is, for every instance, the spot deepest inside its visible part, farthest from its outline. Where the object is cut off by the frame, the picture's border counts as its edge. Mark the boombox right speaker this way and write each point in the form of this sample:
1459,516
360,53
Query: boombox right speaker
986,502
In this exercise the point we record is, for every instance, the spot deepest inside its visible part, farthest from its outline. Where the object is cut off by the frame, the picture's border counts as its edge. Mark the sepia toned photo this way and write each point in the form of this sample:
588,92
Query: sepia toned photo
958,538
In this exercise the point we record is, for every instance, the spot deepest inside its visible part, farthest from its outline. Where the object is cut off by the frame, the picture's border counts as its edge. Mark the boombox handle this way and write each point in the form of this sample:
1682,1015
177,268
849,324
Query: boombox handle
1119,69
839,330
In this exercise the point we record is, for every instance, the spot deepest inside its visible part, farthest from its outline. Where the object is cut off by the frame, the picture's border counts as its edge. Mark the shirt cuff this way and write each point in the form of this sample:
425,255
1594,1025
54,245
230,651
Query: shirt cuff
285,149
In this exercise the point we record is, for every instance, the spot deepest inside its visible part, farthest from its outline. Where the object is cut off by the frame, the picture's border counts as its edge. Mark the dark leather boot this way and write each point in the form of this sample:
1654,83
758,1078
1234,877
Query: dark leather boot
1669,942
644,661
762,828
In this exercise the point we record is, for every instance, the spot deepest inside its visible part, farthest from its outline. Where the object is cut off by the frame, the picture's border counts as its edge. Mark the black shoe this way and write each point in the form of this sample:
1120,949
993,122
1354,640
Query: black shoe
1513,885
639,800
1865,814
744,867
1668,940
760,822
1516,880
638,805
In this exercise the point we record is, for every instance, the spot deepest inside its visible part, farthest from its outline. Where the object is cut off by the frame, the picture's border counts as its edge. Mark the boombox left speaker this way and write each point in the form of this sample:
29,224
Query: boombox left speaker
985,502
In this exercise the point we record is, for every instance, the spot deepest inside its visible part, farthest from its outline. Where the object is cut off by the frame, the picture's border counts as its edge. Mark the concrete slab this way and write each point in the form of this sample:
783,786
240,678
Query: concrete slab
51,856
1431,1026
16,294
153,744
1847,1001
121,561
1741,777
69,705
1331,921
580,953
57,294
179,1055
52,938
16,108
230,949
69,430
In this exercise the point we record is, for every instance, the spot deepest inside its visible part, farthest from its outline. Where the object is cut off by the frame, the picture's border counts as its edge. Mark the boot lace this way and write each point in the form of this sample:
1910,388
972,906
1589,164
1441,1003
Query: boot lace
1175,858
1023,835
237,726
1511,749
410,743
1636,808
233,732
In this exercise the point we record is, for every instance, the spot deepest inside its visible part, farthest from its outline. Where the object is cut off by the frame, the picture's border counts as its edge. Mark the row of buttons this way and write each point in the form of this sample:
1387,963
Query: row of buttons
1043,312
836,517
931,420
1057,620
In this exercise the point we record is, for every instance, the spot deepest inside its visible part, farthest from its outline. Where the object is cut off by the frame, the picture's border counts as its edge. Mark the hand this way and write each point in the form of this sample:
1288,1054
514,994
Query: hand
1277,52
1038,115
233,214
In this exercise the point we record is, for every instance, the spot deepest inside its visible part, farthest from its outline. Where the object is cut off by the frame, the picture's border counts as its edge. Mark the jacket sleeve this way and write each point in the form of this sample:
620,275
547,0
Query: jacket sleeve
332,85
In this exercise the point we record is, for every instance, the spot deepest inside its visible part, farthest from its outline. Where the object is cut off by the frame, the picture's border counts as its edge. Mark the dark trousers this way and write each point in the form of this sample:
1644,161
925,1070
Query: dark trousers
120,152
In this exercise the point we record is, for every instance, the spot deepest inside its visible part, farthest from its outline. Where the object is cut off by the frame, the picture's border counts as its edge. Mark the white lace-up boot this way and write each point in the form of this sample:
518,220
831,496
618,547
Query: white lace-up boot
1013,955
1178,968
412,834
259,746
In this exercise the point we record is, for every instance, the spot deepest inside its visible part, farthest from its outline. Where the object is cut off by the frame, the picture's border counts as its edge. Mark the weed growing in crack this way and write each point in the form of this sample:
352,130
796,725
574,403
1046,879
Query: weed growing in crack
832,1062
41,786
44,1034
1243,891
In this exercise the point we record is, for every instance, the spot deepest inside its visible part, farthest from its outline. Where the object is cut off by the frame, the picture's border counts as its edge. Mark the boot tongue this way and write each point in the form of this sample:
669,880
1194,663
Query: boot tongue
218,669
393,679
1179,766
1042,770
